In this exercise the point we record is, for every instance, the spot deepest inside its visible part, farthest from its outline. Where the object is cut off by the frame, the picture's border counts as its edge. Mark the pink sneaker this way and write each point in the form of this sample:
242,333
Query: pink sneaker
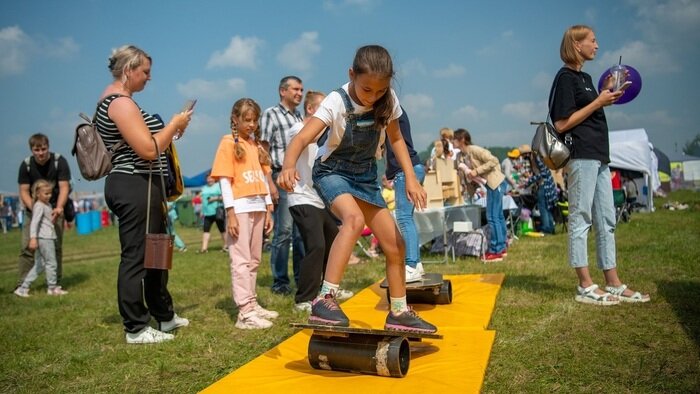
492,257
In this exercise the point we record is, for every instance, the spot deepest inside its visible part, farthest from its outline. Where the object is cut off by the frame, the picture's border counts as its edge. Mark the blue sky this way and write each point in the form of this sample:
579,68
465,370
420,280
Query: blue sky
483,66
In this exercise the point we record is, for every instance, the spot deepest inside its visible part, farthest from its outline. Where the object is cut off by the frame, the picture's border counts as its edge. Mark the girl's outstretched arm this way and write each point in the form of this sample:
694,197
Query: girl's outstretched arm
288,177
414,191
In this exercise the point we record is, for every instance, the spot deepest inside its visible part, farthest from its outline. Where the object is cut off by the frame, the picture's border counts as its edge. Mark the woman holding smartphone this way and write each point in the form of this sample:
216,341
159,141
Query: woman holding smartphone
146,136
577,110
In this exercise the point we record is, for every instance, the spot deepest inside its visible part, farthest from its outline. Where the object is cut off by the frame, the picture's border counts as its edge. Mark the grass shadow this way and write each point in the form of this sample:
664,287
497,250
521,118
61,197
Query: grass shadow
227,305
532,283
683,297
74,279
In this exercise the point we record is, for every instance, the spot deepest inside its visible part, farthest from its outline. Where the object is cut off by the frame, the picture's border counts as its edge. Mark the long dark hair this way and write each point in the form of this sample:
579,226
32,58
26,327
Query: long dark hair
374,59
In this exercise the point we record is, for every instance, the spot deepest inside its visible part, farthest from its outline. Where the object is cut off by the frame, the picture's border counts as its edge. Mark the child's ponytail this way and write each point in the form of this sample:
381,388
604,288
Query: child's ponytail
238,150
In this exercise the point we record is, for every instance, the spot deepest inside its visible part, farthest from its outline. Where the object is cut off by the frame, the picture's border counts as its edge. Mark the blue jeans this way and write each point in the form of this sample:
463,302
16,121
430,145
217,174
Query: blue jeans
404,215
546,217
591,204
284,233
495,219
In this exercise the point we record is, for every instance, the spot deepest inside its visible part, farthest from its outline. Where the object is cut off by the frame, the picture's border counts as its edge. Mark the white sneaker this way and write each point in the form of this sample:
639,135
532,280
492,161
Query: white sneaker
264,313
56,291
303,306
343,294
413,274
21,292
177,321
252,321
419,267
148,335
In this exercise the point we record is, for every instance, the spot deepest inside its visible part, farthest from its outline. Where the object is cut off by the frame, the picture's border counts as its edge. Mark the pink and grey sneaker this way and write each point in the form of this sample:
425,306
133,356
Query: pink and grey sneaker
326,311
408,321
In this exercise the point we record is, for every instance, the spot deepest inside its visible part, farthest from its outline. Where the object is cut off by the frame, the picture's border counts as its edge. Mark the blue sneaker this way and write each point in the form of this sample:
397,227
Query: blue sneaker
327,311
408,321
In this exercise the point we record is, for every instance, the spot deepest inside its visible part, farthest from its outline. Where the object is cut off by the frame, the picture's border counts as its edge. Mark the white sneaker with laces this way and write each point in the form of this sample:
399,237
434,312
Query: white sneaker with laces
303,306
252,321
148,335
56,291
264,313
22,292
419,267
177,321
342,294
413,274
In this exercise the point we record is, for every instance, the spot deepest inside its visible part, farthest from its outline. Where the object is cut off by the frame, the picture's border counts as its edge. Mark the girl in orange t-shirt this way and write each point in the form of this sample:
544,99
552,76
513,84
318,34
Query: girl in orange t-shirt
241,166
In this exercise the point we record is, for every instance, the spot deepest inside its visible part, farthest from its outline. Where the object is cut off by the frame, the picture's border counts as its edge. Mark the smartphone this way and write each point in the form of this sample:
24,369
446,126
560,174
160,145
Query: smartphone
189,105
624,86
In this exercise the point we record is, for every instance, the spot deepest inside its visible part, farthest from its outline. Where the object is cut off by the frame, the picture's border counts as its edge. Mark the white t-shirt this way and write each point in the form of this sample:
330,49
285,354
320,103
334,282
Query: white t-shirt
332,113
304,192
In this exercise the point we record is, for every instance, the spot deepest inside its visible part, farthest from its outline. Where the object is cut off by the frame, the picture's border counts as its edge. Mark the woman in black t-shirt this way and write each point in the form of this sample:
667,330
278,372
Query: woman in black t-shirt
577,110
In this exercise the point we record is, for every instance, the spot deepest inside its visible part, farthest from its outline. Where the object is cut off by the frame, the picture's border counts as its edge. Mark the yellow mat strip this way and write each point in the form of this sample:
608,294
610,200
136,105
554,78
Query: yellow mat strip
455,364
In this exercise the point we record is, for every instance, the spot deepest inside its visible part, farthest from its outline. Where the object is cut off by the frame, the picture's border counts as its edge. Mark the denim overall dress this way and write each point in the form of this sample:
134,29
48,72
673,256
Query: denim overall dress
352,167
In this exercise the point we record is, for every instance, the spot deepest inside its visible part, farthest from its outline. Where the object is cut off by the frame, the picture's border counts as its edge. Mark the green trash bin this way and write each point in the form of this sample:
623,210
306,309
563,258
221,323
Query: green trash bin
185,211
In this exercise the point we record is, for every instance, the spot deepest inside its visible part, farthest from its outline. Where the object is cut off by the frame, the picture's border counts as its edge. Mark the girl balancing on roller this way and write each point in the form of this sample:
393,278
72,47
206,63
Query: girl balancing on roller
345,175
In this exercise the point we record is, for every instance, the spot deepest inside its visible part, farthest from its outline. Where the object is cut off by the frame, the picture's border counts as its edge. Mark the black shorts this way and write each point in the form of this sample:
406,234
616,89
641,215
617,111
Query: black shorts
208,220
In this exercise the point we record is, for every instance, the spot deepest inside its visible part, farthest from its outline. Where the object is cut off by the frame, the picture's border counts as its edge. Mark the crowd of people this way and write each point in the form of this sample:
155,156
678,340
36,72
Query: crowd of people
311,181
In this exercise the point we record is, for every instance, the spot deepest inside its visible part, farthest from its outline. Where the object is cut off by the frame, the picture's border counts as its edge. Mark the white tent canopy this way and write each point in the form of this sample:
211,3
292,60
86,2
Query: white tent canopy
631,150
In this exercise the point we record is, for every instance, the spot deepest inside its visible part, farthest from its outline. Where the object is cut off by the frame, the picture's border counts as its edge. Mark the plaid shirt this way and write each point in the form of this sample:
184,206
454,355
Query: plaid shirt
276,122
550,189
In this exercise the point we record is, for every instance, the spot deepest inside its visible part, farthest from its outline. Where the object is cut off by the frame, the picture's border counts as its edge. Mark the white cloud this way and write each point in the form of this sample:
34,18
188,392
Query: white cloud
641,56
212,90
528,111
669,31
241,52
452,70
666,21
418,106
542,81
19,49
15,46
298,54
63,48
469,113
411,67
341,5
501,44
618,119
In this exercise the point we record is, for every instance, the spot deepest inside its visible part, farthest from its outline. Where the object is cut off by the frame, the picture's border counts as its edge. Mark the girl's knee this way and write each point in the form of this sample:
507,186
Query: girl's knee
353,223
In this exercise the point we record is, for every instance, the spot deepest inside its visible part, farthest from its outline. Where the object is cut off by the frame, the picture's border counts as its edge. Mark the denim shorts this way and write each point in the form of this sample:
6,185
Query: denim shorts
334,177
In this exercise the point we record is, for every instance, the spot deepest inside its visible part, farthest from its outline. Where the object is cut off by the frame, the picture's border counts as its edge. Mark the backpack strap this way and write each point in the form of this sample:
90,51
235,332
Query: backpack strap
121,142
28,161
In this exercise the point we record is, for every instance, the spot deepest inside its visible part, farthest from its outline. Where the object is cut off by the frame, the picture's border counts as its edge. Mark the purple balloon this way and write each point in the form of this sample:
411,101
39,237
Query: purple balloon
632,91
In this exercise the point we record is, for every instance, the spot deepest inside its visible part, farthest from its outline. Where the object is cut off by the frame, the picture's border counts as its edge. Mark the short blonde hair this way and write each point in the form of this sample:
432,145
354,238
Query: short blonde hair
446,132
40,185
567,49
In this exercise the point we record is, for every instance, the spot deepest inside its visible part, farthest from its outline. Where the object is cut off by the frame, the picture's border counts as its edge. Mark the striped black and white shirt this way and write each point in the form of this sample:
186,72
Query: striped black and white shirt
125,160
276,122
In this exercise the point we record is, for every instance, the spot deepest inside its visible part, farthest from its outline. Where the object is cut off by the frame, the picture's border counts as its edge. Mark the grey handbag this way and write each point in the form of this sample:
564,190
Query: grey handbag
547,143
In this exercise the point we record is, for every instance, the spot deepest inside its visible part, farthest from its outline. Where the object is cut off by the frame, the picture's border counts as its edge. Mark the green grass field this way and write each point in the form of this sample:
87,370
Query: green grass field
545,342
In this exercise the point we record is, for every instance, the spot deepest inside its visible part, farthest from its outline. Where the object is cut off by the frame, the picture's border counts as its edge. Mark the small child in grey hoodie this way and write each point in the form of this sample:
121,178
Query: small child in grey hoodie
42,238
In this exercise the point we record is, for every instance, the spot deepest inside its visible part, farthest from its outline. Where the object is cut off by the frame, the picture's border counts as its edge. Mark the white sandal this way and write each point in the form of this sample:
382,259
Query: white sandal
589,296
618,291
